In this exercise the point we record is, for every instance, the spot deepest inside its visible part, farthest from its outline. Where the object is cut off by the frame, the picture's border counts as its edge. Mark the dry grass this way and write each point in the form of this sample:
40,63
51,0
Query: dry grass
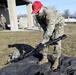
32,39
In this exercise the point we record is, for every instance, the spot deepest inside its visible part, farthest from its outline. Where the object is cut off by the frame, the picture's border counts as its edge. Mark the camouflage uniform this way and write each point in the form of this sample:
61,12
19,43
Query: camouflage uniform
3,21
53,25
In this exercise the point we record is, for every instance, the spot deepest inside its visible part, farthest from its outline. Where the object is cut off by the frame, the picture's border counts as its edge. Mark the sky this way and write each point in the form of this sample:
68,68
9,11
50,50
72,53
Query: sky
60,5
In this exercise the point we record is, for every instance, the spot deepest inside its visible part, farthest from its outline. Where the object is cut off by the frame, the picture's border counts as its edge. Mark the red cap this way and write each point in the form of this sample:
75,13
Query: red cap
36,6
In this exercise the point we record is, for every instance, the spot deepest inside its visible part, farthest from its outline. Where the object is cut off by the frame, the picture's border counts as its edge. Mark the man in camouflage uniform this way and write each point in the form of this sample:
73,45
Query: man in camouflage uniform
3,21
52,24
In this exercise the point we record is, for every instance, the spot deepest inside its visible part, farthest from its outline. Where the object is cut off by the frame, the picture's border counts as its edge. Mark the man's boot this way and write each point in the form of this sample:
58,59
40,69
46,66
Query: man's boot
44,53
56,64
44,60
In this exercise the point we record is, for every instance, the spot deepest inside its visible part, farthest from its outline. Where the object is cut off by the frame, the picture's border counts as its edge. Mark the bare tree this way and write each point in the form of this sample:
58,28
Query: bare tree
66,13
74,14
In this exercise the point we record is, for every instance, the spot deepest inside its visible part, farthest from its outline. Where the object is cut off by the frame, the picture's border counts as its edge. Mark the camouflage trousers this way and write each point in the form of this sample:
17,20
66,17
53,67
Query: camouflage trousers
59,30
3,25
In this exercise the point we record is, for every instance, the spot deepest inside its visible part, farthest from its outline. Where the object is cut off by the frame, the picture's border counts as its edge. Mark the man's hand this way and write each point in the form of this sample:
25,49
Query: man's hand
40,46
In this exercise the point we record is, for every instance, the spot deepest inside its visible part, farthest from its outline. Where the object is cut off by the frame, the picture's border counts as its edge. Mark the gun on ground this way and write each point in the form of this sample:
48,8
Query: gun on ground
39,48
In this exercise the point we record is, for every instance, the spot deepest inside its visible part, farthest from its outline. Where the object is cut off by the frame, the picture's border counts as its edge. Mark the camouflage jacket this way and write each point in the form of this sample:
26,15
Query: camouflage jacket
48,21
3,19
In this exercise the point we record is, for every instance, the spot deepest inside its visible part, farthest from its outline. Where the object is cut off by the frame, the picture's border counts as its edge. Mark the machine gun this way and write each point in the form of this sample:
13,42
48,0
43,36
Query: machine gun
38,48
50,42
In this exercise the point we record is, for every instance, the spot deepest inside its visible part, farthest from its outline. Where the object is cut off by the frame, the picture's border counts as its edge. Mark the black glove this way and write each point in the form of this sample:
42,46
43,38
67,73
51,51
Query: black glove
40,46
